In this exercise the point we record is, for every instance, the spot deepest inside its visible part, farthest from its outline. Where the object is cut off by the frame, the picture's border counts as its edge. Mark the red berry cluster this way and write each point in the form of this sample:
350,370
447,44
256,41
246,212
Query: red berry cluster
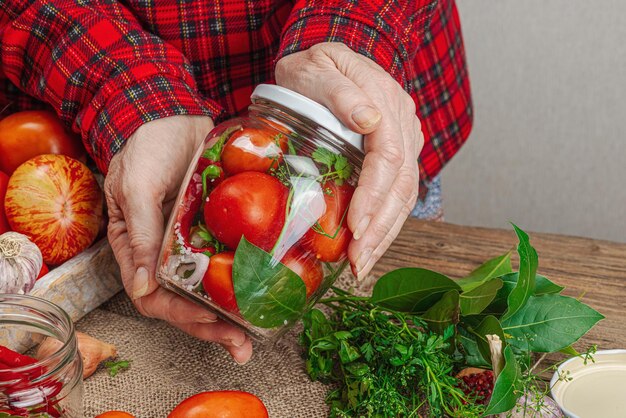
478,386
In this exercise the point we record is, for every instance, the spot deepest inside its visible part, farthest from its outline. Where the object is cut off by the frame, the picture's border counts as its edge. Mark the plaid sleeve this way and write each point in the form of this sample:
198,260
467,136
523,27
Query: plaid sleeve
387,31
95,65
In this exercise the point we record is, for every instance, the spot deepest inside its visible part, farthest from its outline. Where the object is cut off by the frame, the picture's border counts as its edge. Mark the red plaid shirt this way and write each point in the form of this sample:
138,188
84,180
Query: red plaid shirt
108,66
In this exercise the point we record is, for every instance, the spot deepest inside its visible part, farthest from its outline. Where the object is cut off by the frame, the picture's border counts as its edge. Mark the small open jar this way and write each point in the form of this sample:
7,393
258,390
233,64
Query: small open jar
51,386
259,230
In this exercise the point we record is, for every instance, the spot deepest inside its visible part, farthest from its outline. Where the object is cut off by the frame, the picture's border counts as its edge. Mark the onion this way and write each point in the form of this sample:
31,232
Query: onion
20,263
188,269
92,351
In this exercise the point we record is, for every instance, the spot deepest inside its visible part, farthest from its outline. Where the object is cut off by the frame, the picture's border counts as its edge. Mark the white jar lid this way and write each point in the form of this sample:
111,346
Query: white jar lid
309,109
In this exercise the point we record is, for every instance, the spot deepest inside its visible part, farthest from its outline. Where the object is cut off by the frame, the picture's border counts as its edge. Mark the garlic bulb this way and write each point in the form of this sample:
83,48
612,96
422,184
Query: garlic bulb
92,351
20,263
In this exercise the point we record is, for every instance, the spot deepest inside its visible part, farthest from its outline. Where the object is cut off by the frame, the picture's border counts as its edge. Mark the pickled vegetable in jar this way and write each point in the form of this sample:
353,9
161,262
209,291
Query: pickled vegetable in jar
259,231
32,386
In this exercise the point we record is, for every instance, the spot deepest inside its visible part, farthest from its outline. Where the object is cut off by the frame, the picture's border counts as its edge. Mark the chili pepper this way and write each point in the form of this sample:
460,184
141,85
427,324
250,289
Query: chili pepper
194,199
20,383
10,413
51,408
12,358
213,174
41,393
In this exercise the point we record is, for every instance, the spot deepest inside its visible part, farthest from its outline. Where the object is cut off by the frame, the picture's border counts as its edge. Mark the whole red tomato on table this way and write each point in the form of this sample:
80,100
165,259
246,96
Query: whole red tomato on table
4,224
221,404
330,241
249,204
24,135
115,414
55,201
252,149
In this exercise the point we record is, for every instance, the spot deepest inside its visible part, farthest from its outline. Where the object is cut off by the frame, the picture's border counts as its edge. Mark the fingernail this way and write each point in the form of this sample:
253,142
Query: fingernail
140,283
230,341
241,363
366,116
361,227
362,260
208,319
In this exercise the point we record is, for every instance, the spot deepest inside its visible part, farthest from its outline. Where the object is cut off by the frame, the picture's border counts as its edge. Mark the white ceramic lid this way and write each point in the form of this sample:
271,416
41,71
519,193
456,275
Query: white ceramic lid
309,109
593,390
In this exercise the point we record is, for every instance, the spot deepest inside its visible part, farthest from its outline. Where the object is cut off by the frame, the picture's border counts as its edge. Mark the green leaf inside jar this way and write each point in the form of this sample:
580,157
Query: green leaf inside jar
268,293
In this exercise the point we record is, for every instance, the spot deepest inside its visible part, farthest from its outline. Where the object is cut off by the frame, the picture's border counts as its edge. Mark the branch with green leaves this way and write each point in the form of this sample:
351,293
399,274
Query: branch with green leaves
354,346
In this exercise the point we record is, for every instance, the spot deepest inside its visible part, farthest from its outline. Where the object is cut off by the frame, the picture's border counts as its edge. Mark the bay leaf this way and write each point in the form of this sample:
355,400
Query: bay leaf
476,300
543,286
473,356
490,269
488,326
443,313
268,293
412,290
508,387
527,270
549,323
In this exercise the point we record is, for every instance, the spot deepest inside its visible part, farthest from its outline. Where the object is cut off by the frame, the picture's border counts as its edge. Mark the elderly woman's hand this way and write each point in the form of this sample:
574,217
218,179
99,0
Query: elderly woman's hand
367,100
141,186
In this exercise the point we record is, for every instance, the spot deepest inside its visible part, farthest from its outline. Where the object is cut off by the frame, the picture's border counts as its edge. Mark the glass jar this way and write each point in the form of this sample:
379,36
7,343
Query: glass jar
51,386
259,233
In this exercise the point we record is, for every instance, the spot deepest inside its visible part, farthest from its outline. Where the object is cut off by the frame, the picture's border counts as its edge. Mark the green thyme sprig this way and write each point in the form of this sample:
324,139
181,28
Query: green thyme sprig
386,364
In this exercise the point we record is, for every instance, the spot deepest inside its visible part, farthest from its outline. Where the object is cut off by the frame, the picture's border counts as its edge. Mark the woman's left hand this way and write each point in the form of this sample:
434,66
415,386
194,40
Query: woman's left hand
369,101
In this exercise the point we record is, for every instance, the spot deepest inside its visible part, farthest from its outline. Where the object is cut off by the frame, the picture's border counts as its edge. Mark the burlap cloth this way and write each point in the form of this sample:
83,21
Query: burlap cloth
168,366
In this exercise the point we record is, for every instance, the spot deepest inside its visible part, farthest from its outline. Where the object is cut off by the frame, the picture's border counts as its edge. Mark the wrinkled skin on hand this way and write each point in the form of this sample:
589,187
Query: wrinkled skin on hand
145,176
369,101
140,188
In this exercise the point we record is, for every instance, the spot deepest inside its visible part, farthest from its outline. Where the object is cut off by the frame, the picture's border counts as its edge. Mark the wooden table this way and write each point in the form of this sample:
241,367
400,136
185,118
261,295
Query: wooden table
171,366
593,268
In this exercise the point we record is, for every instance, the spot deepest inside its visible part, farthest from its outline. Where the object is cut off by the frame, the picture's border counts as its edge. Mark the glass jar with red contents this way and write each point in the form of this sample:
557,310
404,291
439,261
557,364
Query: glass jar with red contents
259,231
49,385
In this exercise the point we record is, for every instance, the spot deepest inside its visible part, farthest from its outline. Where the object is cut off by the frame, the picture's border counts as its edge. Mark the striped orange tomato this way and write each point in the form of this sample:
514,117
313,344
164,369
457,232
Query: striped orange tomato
56,201
4,181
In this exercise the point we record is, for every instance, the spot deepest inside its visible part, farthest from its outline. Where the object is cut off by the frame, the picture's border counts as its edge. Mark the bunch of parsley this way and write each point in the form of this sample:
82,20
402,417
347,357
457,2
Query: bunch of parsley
382,363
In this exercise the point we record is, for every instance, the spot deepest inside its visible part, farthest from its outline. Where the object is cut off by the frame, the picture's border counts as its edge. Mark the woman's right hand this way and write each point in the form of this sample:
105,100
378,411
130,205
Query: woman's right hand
140,188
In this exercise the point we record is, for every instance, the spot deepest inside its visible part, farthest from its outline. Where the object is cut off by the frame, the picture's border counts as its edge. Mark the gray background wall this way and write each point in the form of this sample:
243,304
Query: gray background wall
548,149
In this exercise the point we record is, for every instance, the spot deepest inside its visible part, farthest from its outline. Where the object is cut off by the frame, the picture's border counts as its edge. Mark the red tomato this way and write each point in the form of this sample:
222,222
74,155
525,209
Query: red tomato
221,404
279,126
252,149
218,281
325,247
4,224
44,270
115,414
247,204
306,266
56,202
24,135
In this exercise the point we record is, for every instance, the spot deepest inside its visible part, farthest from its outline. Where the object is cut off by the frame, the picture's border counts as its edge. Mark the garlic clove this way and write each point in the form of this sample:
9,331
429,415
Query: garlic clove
92,351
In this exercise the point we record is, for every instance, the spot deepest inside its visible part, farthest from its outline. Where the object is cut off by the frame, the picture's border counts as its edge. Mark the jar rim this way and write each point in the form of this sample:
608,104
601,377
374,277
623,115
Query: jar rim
309,109
43,306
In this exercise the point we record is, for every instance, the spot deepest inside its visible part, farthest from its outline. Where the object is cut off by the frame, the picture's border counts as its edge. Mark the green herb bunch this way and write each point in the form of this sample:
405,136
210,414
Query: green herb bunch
384,364
395,353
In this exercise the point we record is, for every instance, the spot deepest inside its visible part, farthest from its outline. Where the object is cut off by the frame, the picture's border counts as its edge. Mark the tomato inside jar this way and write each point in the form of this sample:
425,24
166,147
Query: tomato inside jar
259,231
